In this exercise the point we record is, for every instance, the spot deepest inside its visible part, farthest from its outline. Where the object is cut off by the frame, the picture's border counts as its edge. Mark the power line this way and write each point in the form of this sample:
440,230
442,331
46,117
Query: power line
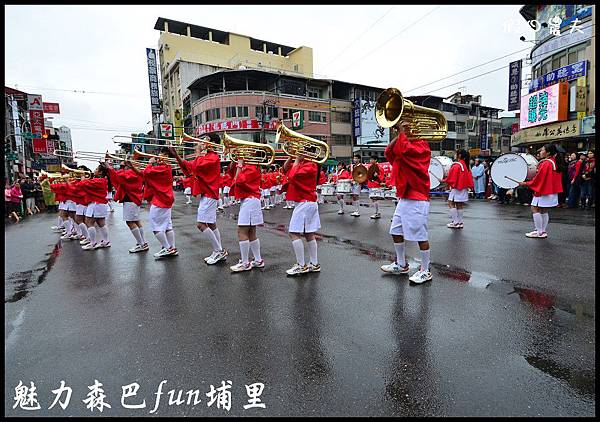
464,80
403,29
83,91
360,36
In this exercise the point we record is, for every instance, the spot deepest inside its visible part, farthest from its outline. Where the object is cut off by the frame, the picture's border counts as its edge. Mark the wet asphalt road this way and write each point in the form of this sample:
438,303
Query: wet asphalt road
505,328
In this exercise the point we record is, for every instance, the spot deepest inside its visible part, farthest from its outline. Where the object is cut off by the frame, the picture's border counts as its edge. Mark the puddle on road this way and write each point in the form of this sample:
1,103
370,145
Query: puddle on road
25,281
581,380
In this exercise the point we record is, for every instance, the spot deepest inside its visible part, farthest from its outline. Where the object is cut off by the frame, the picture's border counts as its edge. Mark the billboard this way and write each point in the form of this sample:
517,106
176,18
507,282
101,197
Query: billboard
153,80
547,105
565,73
53,108
514,85
371,134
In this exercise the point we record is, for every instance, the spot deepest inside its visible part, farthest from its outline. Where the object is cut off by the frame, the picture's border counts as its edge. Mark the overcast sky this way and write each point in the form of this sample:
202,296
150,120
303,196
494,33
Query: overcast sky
102,49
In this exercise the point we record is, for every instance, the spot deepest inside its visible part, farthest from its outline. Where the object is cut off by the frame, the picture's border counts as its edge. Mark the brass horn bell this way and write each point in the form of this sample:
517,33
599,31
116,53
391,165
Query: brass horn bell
419,122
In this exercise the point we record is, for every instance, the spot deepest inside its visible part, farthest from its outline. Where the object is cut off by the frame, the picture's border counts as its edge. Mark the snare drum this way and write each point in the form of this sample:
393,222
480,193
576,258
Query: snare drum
390,193
376,193
438,170
344,186
519,166
328,189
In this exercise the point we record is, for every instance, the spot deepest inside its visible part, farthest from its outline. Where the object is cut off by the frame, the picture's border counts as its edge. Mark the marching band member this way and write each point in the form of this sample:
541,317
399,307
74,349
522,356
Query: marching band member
71,208
129,185
226,184
322,180
187,189
459,179
158,190
289,205
410,166
246,188
81,201
273,187
374,184
58,190
265,184
356,187
546,185
279,180
341,173
305,220
109,197
96,190
206,169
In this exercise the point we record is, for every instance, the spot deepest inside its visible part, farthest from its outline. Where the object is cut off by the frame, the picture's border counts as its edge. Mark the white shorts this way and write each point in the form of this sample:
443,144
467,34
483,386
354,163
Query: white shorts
62,206
266,192
187,191
226,189
410,220
305,218
131,211
100,210
89,210
356,189
160,219
80,209
71,206
457,195
273,189
207,210
250,212
545,201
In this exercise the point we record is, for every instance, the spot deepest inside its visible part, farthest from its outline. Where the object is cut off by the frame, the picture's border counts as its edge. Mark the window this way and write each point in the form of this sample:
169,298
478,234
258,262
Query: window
198,118
288,112
272,112
230,112
213,114
242,111
546,66
562,60
340,116
341,140
451,126
460,127
316,116
313,92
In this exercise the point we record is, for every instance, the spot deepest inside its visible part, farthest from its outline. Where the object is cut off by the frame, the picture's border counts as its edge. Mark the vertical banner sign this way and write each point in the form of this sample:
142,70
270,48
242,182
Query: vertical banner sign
298,119
483,135
514,85
153,80
166,131
356,117
580,100
178,123
36,120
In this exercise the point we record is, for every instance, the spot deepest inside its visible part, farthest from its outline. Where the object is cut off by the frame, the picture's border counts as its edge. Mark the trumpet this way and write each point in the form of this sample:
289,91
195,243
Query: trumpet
249,152
421,122
170,161
70,170
220,149
53,175
295,144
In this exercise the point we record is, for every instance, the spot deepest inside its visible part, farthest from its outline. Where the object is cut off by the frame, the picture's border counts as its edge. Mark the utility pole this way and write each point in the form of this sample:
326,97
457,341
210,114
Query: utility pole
265,103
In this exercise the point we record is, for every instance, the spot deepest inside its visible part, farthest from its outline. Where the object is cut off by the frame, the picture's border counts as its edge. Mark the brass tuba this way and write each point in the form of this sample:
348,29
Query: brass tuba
249,152
295,144
420,122
72,171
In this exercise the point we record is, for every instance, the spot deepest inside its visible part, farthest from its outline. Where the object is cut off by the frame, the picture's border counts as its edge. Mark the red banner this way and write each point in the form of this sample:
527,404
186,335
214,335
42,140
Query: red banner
232,125
40,145
51,108
36,119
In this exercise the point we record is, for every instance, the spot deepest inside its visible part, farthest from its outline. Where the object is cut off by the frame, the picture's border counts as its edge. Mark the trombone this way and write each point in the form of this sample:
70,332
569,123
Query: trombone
170,161
295,144
249,152
63,153
220,149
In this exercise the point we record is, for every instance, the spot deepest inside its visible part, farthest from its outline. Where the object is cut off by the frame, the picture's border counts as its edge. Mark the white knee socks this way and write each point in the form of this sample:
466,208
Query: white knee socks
538,222
210,235
103,233
341,204
170,234
84,230
142,236
355,203
425,255
245,250
136,233
376,205
92,234
218,236
312,251
299,251
400,258
454,215
162,238
545,219
459,214
255,246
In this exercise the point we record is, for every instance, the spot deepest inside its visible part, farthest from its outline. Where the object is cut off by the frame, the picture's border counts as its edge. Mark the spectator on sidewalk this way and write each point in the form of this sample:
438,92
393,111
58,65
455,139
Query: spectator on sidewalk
479,178
588,179
28,190
575,190
564,196
39,196
16,197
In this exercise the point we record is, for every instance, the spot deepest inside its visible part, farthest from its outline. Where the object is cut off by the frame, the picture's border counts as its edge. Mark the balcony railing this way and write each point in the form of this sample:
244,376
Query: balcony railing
266,93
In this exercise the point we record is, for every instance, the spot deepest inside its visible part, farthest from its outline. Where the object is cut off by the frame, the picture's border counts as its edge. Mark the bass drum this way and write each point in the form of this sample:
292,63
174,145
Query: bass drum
519,166
438,169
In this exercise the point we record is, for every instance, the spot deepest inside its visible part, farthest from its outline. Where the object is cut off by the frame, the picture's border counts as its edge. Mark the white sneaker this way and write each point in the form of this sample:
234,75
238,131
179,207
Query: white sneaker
139,248
211,257
460,225
84,241
102,244
531,234
297,269
340,212
258,264
240,266
544,235
376,215
66,237
394,268
453,225
173,251
314,268
219,256
421,277
220,207
74,237
162,253
89,246
355,214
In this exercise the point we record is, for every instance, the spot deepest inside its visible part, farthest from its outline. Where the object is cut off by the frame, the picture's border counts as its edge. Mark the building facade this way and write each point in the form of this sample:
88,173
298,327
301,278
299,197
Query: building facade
563,69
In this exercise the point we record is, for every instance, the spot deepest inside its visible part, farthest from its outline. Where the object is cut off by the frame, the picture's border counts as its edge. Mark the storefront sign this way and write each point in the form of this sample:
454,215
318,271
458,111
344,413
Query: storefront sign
483,134
166,131
563,74
356,117
371,133
233,125
53,108
547,133
548,48
545,106
588,125
39,145
514,85
153,80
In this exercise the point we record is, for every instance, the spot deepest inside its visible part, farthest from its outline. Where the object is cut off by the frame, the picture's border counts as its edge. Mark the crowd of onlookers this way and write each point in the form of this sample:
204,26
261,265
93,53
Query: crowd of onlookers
27,196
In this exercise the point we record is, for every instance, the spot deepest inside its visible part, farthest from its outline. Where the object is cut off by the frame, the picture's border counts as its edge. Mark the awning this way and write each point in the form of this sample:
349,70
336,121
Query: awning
331,162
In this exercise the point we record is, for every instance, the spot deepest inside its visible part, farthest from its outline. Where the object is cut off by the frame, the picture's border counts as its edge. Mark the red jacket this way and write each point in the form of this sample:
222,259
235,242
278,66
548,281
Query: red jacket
96,190
187,182
77,188
410,167
378,179
59,191
322,178
226,180
207,174
459,176
128,184
302,182
159,184
247,183
344,174
547,180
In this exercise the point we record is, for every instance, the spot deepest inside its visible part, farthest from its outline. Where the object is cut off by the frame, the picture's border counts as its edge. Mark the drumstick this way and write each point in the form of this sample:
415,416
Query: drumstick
510,178
435,176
